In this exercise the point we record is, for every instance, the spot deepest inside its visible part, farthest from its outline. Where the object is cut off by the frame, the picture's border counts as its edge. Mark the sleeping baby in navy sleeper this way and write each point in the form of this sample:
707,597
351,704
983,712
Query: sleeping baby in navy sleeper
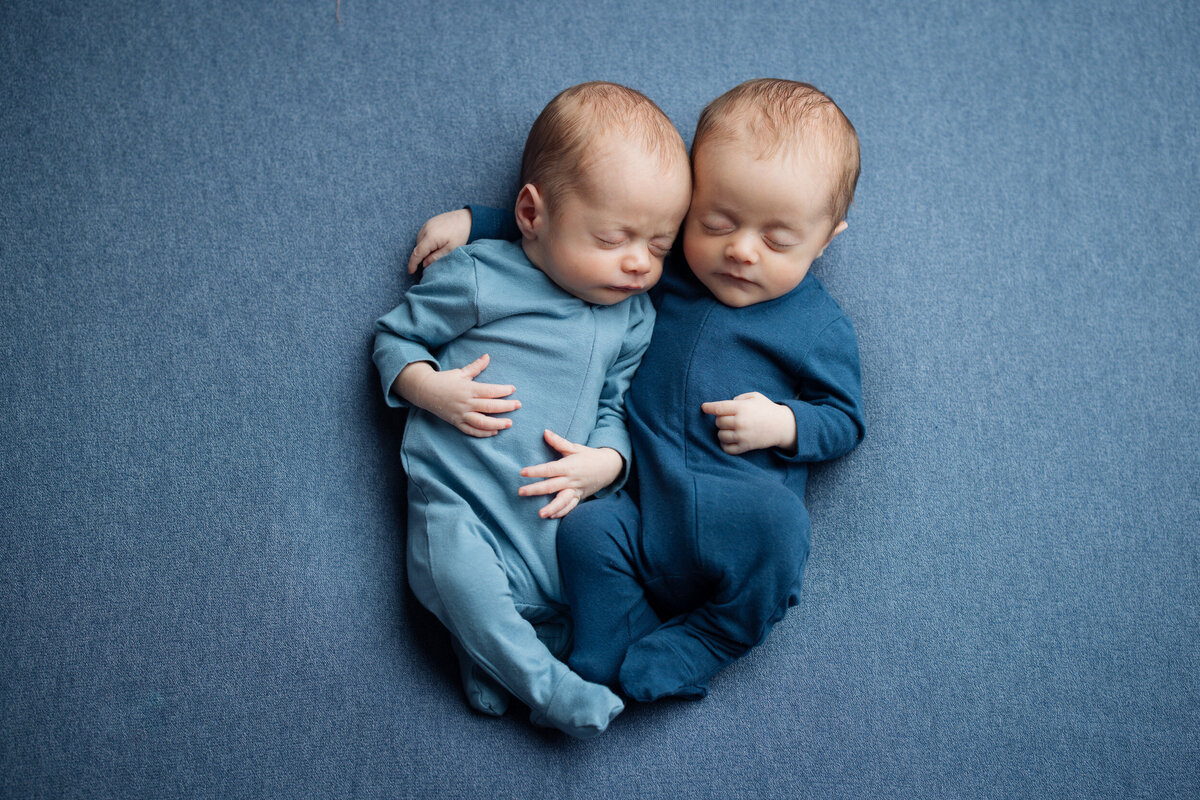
752,374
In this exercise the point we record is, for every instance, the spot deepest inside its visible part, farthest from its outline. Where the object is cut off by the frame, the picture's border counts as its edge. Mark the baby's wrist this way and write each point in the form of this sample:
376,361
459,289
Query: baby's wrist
613,465
785,428
412,384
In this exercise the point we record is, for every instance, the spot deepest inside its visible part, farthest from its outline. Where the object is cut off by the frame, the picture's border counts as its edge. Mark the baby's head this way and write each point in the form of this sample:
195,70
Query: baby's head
775,163
605,184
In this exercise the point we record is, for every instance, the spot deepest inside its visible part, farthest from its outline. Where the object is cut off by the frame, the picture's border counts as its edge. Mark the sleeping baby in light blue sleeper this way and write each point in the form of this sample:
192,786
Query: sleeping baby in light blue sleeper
560,320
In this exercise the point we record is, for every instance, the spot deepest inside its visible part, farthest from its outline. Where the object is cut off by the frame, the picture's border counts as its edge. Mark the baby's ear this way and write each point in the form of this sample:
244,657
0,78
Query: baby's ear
530,211
841,226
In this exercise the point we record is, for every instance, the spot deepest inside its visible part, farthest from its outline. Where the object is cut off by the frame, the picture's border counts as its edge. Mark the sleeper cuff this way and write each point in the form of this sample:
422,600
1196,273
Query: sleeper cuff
391,363
617,439
493,223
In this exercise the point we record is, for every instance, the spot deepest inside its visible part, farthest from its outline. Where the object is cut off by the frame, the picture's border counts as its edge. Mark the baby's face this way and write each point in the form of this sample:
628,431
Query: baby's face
607,242
756,225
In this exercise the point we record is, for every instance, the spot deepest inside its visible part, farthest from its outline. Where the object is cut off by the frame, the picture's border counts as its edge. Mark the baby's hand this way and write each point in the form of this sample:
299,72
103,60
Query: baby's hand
439,236
752,422
454,396
579,474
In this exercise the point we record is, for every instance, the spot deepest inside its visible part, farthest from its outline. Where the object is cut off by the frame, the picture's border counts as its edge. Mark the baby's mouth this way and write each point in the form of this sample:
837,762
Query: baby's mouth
735,278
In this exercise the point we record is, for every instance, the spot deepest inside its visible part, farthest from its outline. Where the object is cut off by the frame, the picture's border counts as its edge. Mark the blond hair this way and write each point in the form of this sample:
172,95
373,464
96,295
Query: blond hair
559,147
791,116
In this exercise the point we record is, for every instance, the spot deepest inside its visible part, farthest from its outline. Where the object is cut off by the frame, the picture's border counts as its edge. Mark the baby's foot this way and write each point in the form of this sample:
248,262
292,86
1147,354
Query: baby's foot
670,662
579,708
484,693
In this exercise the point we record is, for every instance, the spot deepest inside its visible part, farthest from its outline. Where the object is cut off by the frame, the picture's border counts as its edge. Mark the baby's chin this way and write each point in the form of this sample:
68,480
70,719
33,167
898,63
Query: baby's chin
732,293
609,295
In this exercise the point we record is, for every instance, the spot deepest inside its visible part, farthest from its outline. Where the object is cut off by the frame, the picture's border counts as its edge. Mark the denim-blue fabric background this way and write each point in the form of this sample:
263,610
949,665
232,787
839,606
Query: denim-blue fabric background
204,206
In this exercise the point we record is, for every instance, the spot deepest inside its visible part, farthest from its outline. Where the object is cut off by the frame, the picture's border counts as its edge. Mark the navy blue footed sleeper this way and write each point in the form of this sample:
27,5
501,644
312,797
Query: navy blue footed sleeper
690,566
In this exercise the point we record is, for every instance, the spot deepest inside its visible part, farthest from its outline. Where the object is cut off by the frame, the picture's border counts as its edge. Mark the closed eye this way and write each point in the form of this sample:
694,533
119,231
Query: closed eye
660,248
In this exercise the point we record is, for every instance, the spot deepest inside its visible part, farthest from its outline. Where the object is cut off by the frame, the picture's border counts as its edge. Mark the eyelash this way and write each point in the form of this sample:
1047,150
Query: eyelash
725,231
656,251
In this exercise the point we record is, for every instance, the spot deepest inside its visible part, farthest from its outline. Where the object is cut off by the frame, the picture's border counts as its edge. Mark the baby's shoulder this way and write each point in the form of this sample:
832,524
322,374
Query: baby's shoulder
493,255
815,296
501,269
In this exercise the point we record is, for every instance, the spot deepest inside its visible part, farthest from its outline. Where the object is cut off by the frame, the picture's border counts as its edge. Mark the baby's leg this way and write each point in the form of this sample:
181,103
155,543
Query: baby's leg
484,694
487,696
608,604
455,572
755,554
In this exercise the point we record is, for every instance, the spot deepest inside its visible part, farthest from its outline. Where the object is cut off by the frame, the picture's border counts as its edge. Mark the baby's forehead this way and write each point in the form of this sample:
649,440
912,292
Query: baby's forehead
615,148
634,138
790,153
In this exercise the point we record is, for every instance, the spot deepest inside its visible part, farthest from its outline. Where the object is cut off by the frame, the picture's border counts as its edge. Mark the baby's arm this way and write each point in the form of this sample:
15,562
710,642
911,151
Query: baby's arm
752,421
452,229
823,421
439,236
435,312
580,473
454,396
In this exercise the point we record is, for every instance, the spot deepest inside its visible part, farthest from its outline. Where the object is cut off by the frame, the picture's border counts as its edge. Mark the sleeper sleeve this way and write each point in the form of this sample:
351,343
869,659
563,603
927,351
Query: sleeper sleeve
434,312
493,223
828,404
610,429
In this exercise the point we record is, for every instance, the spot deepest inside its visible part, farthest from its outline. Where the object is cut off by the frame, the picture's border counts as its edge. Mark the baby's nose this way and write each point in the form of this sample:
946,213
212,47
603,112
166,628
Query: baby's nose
636,262
741,250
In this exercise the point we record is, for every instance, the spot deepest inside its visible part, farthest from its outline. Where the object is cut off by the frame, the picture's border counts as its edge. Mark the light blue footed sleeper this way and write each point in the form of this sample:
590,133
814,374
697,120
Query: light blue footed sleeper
479,556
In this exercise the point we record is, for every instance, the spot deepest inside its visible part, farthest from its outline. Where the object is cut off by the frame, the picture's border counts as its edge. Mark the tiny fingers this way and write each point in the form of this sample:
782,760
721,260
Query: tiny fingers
550,486
478,433
490,406
420,253
435,255
719,407
492,390
414,261
485,423
731,442
560,506
477,366
564,446
726,422
546,470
